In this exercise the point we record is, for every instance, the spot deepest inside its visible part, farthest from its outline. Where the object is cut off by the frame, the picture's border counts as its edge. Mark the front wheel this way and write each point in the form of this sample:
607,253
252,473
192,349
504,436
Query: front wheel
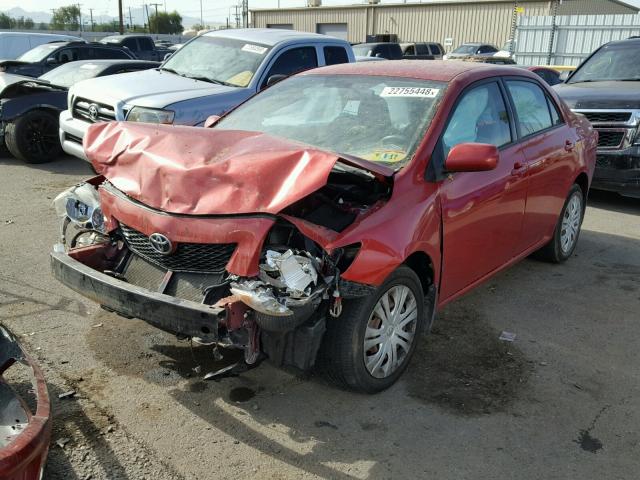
33,137
369,346
565,236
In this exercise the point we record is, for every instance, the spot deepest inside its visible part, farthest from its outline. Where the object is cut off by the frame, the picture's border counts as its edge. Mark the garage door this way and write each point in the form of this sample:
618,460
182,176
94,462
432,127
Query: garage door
338,30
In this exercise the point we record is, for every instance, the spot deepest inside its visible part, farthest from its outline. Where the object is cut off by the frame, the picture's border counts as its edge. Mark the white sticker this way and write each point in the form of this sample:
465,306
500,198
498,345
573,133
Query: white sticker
89,66
248,47
351,107
409,92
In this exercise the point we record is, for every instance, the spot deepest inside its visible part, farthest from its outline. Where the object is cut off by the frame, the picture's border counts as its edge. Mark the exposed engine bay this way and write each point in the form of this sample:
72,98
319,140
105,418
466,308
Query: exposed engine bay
279,313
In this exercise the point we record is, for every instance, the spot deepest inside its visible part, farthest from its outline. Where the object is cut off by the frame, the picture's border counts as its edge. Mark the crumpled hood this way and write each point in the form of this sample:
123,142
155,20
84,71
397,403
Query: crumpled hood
146,88
609,94
202,171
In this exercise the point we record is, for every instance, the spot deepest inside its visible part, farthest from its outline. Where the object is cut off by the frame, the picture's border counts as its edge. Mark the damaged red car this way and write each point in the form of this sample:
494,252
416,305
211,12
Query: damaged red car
325,220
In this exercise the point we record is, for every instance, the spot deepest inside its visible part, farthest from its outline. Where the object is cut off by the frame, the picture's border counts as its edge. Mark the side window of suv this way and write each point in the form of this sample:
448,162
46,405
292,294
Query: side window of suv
532,109
108,53
67,55
422,49
293,61
410,51
146,44
435,50
334,55
131,44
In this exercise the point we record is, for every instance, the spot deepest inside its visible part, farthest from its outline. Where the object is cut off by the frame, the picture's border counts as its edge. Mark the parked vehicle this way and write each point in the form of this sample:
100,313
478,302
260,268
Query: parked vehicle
388,50
211,74
606,89
548,74
24,434
331,213
14,44
370,59
507,50
48,56
471,50
141,46
422,51
29,108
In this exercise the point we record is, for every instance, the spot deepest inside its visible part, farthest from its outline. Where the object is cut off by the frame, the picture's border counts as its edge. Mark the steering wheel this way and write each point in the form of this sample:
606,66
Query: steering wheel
398,139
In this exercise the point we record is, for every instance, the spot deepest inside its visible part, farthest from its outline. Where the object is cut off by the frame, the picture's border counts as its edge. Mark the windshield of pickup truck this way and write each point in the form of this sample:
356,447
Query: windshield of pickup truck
380,119
38,53
610,63
218,60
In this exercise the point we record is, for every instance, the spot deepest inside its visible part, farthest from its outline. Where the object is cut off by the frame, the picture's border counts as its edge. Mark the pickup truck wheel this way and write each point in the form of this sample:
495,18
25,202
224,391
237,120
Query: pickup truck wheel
33,137
370,344
565,237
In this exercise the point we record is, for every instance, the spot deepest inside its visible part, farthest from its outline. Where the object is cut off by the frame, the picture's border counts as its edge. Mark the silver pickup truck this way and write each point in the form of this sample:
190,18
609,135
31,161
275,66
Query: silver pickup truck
211,74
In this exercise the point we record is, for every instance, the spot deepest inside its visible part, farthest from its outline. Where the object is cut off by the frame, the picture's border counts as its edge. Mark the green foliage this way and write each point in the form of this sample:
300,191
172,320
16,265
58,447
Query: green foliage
66,18
165,22
22,23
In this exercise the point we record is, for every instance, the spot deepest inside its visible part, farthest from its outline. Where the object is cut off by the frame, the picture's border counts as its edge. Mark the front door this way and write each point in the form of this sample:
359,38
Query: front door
482,211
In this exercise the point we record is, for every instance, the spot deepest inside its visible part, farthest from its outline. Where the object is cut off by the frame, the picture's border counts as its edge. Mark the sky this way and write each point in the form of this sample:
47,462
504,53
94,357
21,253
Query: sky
213,10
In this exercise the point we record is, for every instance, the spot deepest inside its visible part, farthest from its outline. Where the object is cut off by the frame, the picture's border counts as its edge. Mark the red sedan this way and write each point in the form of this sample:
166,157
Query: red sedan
331,215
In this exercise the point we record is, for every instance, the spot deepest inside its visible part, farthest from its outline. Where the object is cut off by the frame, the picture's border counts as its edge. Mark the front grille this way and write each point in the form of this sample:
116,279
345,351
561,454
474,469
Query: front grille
187,257
610,138
607,117
82,106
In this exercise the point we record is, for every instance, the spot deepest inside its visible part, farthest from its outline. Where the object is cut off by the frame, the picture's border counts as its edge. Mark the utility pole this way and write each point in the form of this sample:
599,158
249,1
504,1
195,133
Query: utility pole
53,14
237,18
157,22
91,14
79,15
245,13
130,20
145,8
121,29
201,19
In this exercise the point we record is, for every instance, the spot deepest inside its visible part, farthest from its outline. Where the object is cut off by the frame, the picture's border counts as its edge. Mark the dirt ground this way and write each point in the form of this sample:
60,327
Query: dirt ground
560,402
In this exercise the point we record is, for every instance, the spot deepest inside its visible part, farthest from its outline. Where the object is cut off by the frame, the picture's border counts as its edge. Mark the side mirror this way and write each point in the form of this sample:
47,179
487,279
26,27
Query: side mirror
51,61
211,121
472,157
167,56
275,79
378,55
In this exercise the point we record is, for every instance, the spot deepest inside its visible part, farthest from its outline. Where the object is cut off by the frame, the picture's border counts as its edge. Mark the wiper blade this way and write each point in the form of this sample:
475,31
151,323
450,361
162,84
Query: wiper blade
170,70
207,79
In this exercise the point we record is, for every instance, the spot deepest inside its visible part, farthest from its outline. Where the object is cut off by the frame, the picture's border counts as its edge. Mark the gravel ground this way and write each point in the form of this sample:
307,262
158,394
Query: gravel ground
560,402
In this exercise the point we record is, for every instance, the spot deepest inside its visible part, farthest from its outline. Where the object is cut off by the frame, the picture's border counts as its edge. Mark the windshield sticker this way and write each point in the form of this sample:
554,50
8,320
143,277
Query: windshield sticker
390,156
248,47
409,92
89,66
352,107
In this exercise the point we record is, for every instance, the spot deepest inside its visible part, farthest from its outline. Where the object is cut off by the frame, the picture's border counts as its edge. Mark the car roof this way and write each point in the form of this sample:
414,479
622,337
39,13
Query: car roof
436,70
627,41
270,36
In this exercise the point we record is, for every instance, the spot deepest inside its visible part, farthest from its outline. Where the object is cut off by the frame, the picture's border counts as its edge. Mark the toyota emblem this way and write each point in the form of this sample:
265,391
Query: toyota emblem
93,111
160,243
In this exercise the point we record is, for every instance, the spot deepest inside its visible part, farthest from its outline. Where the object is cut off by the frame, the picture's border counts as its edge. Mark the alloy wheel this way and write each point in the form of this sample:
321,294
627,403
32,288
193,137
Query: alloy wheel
571,224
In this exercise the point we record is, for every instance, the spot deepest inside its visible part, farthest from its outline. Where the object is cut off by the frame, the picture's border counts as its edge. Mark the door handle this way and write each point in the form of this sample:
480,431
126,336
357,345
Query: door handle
517,168
568,145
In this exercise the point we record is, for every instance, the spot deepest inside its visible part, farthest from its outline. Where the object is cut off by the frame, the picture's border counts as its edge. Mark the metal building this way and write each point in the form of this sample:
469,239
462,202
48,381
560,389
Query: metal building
450,22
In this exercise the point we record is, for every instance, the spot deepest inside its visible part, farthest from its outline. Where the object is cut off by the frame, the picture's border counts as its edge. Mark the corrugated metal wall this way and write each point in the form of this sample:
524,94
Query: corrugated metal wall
593,7
463,22
576,36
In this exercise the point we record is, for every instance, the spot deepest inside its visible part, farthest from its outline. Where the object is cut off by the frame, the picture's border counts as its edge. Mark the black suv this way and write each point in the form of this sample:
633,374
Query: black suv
48,56
606,89
388,50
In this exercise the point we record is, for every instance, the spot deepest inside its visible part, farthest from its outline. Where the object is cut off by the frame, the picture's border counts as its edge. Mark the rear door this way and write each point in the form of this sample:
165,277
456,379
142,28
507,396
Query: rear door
548,146
482,211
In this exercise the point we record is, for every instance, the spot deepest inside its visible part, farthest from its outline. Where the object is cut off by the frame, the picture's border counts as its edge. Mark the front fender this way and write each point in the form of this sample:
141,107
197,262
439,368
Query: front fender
14,107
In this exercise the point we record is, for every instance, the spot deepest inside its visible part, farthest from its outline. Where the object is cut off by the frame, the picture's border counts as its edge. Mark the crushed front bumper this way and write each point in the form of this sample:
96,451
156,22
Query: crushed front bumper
24,435
618,171
168,313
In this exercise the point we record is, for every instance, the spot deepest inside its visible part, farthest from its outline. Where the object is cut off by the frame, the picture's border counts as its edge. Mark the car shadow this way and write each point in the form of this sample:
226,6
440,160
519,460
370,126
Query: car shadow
613,201
63,165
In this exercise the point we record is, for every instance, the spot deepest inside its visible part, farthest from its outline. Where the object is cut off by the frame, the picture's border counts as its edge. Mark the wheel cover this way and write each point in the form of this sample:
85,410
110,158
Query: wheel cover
390,331
571,223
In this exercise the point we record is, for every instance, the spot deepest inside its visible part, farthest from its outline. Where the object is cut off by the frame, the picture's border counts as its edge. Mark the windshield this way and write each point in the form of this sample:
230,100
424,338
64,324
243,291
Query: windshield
67,75
39,53
466,49
362,50
381,119
619,62
219,60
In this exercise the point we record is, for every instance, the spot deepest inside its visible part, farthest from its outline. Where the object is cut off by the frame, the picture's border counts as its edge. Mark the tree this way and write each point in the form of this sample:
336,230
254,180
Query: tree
24,23
6,21
66,18
165,22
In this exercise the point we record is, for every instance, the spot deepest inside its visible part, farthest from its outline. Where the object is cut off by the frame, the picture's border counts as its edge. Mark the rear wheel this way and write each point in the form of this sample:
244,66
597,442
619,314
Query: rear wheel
33,137
565,237
369,346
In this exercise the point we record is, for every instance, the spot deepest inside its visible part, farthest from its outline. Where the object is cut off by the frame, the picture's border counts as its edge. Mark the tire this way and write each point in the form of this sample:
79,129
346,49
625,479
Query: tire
342,355
564,240
33,137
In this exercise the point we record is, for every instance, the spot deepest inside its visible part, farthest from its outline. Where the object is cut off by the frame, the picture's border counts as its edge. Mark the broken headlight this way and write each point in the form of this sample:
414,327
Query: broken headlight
81,205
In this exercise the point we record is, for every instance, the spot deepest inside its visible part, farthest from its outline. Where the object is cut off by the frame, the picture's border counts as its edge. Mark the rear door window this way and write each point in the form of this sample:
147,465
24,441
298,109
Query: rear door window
335,55
422,49
531,106
410,50
146,44
435,49
131,44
